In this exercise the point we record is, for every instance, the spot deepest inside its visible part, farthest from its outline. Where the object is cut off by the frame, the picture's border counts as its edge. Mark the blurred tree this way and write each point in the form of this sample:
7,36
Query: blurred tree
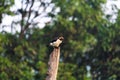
80,22
4,8
19,58
90,40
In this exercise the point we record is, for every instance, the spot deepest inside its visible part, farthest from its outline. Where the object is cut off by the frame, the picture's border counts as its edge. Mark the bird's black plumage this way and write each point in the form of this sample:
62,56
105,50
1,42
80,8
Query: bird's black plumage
54,39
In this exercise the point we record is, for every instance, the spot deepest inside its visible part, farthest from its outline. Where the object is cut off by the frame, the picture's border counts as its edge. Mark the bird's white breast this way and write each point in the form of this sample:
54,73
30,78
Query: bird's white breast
56,43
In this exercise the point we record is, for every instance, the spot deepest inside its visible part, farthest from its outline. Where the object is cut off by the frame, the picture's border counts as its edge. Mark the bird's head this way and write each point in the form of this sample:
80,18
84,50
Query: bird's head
61,38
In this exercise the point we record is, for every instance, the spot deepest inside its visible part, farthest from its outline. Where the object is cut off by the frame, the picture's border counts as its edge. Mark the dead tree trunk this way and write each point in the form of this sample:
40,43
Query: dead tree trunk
53,64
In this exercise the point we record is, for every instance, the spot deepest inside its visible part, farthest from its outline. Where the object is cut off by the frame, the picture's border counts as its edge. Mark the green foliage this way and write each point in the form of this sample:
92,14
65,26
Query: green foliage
19,59
90,39
5,7
66,70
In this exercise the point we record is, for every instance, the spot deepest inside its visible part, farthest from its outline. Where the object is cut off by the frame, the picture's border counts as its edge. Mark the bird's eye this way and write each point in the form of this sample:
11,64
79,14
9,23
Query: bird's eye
61,39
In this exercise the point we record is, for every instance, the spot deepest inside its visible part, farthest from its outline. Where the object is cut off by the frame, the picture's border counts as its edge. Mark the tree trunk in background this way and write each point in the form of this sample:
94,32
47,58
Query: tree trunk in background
53,64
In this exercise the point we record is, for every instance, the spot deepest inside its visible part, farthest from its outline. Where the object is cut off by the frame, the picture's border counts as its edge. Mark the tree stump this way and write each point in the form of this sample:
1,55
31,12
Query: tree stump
53,64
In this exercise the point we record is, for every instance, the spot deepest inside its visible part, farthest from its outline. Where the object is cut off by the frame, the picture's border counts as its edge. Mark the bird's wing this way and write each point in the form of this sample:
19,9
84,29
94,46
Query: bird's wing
54,39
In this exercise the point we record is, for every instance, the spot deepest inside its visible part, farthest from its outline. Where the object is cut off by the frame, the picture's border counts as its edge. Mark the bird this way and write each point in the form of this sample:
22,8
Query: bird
56,42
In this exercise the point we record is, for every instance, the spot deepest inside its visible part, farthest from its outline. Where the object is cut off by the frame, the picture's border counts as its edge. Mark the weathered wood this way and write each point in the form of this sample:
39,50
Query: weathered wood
53,64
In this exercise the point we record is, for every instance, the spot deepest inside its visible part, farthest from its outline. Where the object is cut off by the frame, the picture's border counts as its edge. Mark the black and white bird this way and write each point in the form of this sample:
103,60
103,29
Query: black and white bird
56,42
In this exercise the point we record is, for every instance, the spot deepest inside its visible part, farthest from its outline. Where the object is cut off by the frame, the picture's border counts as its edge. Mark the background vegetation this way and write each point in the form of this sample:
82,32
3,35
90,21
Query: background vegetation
90,51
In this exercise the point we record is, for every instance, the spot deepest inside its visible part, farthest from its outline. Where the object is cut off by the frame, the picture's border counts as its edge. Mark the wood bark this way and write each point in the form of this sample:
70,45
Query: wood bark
53,64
